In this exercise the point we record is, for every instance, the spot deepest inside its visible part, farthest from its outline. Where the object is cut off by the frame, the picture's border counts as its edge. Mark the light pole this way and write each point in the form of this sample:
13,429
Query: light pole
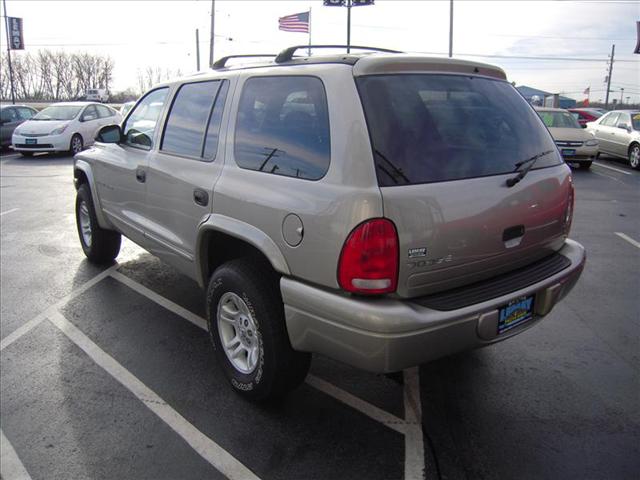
450,28
621,93
213,9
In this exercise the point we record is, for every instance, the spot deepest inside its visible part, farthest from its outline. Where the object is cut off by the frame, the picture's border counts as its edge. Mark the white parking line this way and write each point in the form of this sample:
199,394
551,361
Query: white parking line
11,468
411,426
162,301
612,168
628,239
31,324
371,411
213,453
9,211
413,440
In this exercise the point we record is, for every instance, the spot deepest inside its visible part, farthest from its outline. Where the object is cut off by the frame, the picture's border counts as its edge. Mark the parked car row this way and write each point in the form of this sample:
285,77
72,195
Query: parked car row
619,135
65,126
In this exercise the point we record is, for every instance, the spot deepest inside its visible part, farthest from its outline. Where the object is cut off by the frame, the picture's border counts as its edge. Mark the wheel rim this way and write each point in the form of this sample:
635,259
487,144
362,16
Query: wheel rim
76,144
85,223
239,333
634,157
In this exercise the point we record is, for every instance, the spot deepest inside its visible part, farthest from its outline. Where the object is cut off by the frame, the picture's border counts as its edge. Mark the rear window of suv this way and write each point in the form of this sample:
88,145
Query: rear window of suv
432,128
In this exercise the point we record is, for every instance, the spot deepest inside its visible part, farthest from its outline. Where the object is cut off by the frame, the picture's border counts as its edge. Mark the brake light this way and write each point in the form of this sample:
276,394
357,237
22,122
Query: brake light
369,259
568,218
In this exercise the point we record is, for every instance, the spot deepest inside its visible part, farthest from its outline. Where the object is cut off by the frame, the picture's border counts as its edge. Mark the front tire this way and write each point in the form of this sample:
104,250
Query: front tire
76,144
99,245
634,156
245,316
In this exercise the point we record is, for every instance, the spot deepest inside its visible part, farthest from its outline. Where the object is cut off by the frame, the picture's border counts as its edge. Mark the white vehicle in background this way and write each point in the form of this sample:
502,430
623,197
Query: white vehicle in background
67,126
97,95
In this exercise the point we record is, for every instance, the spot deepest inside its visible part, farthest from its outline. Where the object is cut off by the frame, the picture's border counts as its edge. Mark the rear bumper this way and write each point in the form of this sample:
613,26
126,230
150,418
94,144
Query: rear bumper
386,335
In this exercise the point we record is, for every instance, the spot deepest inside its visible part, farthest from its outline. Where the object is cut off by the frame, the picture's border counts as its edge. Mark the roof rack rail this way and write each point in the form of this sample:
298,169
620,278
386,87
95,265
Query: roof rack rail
287,54
221,62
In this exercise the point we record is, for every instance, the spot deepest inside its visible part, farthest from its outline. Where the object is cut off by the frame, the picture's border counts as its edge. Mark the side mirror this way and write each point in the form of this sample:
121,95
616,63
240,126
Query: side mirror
109,134
87,118
623,126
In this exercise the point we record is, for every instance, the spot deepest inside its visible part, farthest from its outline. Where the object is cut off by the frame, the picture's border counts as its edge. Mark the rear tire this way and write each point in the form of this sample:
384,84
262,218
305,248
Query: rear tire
245,316
585,165
99,245
634,156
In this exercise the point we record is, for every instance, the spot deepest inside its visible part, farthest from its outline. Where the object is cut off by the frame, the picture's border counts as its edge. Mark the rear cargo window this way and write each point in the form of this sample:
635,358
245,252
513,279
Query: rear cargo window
283,127
433,128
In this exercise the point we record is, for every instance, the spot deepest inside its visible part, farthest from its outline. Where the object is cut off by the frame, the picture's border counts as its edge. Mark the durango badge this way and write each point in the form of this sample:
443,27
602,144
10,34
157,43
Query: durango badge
417,252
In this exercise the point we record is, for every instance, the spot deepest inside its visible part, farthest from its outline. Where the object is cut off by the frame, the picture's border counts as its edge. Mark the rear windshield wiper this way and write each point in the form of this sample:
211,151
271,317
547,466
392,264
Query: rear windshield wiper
397,170
531,162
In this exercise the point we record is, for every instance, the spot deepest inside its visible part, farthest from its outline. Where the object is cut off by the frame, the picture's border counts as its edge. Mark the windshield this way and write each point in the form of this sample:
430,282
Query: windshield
58,112
432,128
558,119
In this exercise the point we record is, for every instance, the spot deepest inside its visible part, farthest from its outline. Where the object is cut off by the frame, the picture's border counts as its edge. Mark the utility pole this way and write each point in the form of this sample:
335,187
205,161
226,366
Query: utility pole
621,93
348,26
213,12
450,28
198,49
6,25
613,51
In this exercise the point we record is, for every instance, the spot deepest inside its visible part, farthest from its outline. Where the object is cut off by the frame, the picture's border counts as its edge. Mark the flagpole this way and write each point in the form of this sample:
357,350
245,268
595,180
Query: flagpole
309,50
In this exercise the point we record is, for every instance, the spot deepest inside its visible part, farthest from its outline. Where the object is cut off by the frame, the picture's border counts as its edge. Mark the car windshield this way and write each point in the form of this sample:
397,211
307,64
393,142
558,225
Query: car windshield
435,127
58,112
558,119
635,121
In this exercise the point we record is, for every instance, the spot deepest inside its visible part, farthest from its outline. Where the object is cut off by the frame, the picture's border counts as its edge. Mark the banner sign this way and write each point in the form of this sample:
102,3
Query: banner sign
361,3
334,3
16,39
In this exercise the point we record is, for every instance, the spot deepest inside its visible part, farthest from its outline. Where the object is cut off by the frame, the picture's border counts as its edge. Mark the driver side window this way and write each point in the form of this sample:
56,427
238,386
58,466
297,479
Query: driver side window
142,123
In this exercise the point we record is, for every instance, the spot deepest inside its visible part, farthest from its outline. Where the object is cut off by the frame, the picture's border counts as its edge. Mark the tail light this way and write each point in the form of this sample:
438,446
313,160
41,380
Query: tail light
568,217
369,259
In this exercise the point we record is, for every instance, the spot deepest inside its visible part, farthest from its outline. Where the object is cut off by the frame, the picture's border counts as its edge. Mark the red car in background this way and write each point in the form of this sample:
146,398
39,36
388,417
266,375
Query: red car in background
584,115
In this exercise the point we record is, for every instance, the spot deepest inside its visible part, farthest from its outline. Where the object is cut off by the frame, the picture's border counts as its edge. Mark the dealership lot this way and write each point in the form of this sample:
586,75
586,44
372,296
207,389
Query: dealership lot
108,373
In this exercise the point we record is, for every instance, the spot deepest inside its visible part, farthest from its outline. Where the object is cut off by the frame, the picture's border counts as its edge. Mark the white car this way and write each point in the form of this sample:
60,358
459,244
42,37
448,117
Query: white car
61,127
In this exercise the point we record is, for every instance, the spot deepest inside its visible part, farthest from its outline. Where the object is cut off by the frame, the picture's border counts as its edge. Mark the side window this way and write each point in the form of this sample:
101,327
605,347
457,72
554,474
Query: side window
610,119
90,113
25,113
104,112
624,118
213,130
191,113
283,127
8,115
141,124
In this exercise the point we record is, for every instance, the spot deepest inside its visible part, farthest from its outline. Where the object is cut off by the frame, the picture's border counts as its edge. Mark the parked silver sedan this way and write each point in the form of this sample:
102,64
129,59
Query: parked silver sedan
619,134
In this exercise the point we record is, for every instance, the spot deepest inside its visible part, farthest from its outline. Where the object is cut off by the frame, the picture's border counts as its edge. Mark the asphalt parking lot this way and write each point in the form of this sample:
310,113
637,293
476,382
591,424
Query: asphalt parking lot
108,373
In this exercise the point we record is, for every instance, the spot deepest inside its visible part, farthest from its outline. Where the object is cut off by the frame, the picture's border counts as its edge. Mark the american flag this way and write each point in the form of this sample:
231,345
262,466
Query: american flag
298,22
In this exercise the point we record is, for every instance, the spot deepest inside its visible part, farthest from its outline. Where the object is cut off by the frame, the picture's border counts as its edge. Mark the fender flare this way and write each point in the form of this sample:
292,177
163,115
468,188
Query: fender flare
242,231
85,167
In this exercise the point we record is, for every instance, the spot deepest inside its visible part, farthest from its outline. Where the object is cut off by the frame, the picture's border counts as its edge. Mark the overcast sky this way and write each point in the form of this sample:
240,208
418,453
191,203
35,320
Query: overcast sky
137,34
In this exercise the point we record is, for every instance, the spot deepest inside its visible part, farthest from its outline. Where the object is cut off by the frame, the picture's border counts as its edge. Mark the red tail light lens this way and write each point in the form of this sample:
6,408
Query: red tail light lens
369,259
570,204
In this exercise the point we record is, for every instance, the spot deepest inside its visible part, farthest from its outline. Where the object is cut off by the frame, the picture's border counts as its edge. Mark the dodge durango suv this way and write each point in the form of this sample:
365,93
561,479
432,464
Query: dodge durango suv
379,208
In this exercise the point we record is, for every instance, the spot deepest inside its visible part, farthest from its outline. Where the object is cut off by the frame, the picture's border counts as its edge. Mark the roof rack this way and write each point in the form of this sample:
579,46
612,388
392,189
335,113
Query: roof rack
287,54
221,62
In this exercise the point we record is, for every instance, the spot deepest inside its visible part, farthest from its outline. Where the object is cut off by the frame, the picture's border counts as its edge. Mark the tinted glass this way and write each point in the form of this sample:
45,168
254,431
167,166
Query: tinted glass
635,121
59,112
104,111
90,113
141,124
432,128
187,120
559,119
610,119
8,115
213,130
283,127
25,113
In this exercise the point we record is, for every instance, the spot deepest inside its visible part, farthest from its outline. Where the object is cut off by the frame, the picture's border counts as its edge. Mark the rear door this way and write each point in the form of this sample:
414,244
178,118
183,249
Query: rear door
182,174
620,136
604,130
121,174
444,147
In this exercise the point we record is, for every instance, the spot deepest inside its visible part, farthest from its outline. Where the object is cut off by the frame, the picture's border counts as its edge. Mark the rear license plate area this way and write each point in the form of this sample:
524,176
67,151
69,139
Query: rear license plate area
515,313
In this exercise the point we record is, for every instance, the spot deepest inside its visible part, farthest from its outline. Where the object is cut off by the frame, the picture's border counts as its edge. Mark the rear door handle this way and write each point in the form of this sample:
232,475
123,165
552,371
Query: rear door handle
201,197
141,175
